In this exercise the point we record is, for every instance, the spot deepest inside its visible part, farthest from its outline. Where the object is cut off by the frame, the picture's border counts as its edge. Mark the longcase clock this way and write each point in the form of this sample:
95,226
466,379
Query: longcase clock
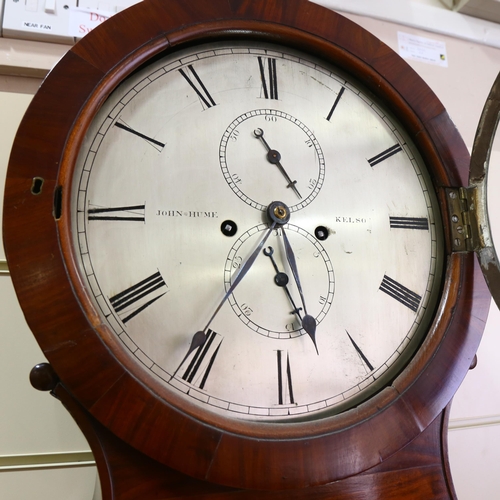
236,229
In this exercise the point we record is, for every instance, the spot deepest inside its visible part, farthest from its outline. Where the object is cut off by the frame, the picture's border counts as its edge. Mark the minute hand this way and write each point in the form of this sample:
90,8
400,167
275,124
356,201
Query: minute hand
241,274
200,337
308,322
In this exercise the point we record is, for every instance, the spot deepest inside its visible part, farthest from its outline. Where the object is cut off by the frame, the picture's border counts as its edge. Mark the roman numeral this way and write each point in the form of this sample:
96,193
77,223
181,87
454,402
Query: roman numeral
339,96
285,388
131,213
200,366
400,293
153,142
269,81
385,154
409,223
360,352
135,299
198,86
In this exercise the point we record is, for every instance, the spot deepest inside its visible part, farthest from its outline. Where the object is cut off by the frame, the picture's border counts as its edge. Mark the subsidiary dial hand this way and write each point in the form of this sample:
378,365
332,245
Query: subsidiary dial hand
308,322
281,279
274,157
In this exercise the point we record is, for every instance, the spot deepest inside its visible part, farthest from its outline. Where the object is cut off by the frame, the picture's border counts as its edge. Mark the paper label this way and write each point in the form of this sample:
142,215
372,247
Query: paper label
418,48
29,25
83,21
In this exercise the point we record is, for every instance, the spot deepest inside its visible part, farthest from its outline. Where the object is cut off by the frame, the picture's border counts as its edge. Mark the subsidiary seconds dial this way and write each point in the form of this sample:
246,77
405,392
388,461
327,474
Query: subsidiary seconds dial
268,300
273,148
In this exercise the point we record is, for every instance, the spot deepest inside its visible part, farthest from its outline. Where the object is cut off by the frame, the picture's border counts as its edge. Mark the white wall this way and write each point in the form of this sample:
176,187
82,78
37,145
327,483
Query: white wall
34,427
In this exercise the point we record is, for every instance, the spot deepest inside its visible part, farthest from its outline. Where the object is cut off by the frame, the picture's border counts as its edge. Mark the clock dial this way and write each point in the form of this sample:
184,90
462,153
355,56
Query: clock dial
170,200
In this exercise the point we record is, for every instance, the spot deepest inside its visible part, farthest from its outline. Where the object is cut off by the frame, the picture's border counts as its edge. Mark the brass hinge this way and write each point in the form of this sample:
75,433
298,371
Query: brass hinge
469,229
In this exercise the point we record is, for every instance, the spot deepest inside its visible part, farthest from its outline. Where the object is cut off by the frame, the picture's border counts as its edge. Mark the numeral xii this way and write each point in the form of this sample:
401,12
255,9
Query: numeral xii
268,77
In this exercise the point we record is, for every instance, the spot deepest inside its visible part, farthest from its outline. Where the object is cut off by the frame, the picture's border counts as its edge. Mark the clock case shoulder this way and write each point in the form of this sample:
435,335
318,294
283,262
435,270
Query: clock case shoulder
36,237
417,471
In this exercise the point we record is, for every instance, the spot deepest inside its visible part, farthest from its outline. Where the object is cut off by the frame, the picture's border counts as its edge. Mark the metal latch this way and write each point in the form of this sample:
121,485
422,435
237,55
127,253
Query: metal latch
467,233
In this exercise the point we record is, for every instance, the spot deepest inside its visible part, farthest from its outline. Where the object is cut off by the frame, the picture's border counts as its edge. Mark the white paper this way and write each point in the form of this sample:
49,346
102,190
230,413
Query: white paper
419,48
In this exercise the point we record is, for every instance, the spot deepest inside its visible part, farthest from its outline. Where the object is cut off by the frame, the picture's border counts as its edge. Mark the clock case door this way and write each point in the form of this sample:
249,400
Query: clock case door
472,231
99,382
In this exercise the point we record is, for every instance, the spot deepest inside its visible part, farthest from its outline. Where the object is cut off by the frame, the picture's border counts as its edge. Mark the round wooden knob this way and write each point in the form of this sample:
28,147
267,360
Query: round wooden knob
474,363
43,377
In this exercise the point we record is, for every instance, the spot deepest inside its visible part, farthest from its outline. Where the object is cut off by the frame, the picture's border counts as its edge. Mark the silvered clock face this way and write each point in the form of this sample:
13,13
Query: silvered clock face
241,315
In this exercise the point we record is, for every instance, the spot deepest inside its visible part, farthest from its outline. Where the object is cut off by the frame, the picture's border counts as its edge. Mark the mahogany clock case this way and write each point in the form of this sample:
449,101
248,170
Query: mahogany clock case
146,416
